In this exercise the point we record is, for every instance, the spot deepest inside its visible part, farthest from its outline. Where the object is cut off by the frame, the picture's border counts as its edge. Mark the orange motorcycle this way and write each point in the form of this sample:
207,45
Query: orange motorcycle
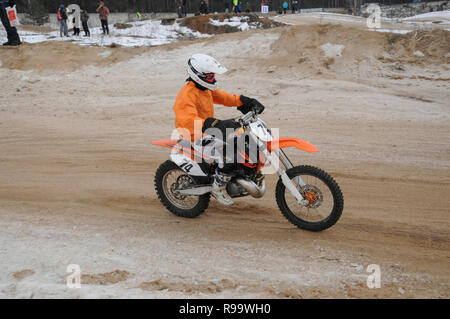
306,195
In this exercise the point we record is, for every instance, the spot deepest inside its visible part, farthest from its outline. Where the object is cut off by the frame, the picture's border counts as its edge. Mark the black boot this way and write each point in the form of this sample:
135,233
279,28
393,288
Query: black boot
13,43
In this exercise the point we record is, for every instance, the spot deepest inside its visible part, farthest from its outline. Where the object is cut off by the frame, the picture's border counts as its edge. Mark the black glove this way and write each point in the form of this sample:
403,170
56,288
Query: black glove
11,3
250,104
211,122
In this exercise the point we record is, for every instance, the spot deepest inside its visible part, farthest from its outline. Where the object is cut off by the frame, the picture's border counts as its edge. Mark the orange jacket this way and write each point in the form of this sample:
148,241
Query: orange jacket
194,104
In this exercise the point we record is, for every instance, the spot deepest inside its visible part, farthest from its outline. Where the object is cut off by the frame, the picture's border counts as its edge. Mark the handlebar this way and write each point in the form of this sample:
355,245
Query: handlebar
246,118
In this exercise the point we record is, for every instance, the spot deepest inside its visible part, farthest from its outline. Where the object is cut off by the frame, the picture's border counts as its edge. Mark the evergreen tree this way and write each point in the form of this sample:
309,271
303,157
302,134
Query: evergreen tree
37,12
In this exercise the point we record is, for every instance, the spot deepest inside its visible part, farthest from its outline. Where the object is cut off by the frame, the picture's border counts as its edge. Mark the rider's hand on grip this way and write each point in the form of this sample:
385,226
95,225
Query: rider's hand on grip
250,104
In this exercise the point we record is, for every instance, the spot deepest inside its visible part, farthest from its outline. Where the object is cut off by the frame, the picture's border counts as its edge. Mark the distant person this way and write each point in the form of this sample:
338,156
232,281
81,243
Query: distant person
13,36
285,7
180,9
226,5
84,21
103,12
203,7
62,18
294,5
184,7
236,6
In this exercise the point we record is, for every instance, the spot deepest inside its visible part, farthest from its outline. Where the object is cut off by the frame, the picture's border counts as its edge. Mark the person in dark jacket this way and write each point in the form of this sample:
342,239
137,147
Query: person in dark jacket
84,21
294,5
203,7
184,7
180,9
13,36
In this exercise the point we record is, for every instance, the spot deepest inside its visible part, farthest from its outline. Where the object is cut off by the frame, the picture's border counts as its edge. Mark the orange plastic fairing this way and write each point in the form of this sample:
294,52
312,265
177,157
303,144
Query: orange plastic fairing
284,142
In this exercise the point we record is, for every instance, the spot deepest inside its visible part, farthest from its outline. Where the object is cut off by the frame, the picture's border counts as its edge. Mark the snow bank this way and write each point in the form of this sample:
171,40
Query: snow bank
140,34
392,31
438,15
237,22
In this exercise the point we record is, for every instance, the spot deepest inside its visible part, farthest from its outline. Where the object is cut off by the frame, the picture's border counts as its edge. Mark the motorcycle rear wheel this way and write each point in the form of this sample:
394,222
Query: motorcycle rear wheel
167,178
326,201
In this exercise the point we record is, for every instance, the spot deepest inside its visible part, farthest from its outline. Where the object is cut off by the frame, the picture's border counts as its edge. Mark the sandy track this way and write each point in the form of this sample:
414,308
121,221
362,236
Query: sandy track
77,168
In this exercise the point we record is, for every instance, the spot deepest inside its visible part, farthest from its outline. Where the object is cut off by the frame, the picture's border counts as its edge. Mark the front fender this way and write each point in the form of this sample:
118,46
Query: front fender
166,143
284,142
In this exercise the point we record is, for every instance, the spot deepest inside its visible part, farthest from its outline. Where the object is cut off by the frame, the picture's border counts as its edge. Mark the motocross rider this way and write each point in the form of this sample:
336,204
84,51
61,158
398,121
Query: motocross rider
195,102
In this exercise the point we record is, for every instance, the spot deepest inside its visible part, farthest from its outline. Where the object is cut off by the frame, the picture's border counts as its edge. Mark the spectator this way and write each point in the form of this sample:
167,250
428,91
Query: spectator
226,4
294,5
13,36
184,7
84,21
237,6
203,7
180,9
285,7
103,13
62,18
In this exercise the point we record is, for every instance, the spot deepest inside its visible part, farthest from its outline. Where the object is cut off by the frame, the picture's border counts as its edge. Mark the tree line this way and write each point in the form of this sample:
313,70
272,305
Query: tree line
52,6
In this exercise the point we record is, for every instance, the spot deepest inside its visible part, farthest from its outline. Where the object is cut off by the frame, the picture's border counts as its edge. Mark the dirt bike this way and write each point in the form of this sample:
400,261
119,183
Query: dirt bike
306,195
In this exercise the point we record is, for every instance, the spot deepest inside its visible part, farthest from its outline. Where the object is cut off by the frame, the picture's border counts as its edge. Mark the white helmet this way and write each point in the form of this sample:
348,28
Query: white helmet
202,69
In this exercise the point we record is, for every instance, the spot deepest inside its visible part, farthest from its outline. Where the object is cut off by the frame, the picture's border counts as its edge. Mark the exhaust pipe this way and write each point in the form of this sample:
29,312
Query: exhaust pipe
251,187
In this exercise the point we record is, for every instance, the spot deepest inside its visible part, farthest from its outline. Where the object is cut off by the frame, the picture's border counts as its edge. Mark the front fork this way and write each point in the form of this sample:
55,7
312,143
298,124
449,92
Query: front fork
290,185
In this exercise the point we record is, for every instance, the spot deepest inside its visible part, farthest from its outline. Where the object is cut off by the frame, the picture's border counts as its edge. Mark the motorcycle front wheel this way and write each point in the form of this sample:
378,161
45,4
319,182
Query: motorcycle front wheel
326,201
168,178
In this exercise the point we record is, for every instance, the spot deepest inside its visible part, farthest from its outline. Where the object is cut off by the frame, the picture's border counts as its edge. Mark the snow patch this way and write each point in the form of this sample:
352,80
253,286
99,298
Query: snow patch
332,50
438,15
105,54
140,34
392,31
237,22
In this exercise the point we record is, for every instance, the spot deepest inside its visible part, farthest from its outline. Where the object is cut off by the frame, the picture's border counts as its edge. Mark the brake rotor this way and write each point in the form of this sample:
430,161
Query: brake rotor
313,195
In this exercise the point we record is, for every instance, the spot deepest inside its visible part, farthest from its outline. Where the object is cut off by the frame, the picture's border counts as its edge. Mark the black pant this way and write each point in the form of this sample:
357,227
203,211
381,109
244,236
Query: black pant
105,26
86,29
13,37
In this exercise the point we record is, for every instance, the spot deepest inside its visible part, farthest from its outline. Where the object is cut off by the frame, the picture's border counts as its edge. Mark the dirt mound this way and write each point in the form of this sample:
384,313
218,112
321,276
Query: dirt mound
34,28
334,49
202,23
108,278
434,45
19,275
122,26
62,56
